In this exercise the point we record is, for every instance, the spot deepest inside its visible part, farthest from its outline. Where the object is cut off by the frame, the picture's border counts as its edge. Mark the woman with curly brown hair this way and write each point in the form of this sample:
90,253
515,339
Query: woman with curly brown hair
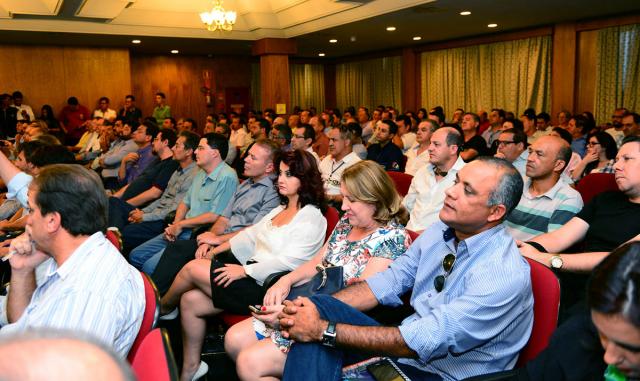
232,274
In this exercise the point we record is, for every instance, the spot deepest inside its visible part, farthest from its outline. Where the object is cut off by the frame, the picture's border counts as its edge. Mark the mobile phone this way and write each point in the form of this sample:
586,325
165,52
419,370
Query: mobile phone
386,370
255,309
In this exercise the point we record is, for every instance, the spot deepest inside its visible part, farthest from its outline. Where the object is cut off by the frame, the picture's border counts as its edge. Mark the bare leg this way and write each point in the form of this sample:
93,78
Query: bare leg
194,275
239,337
195,305
261,361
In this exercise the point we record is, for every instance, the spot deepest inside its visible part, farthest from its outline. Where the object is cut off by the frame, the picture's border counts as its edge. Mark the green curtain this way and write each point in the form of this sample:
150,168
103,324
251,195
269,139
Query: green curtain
617,70
370,83
512,75
256,98
306,82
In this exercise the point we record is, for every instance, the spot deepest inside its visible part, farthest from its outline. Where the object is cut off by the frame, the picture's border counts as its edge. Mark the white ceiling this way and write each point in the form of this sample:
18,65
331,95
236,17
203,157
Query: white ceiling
256,18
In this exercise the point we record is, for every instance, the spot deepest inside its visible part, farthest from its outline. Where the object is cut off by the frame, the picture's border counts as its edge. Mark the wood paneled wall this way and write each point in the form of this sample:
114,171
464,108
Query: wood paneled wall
181,79
51,74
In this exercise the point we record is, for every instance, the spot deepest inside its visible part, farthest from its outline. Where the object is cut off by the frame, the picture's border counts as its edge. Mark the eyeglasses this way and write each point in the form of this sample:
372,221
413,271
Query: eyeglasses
593,144
447,265
505,142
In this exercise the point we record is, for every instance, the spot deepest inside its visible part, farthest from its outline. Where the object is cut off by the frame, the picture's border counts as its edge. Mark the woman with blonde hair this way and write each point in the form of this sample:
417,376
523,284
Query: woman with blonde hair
368,237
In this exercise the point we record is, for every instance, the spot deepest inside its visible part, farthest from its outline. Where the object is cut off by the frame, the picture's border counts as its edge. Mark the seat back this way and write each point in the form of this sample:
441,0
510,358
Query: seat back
154,359
546,303
332,216
595,183
402,181
151,314
114,236
413,235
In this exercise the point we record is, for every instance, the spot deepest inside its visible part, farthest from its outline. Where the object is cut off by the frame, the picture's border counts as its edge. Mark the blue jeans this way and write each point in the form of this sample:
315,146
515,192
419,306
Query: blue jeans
317,362
156,245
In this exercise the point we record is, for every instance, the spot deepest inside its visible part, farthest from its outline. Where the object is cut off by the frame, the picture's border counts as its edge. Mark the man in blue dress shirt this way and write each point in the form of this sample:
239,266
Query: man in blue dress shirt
470,289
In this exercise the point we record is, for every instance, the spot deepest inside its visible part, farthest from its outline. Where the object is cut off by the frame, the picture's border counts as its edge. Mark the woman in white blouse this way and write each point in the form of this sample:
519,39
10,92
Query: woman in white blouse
232,274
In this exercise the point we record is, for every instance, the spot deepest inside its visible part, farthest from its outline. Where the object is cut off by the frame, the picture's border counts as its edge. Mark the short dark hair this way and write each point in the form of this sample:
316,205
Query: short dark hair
635,116
130,97
285,131
475,116
355,129
614,285
191,141
73,101
309,132
582,123
29,148
76,194
564,134
161,94
264,124
219,142
543,115
454,137
46,155
509,188
172,120
194,124
169,135
393,128
17,94
518,135
103,99
630,139
501,113
151,129
405,119
303,165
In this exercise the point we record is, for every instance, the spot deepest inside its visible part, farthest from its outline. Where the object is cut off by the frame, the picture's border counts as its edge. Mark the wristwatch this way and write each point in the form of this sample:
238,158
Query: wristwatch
329,335
556,262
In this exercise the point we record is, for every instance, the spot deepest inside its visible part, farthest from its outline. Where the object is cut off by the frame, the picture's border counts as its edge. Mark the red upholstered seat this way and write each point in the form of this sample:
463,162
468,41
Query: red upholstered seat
402,181
546,302
595,183
154,359
151,314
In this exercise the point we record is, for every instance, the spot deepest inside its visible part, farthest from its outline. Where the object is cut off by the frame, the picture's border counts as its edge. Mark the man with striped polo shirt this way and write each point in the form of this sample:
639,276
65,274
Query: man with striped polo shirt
547,201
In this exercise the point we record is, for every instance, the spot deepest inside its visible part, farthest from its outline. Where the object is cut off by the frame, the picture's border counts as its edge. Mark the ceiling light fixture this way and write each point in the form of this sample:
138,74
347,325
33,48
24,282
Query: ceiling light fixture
417,38
391,28
492,25
333,40
320,54
465,13
135,41
174,51
218,18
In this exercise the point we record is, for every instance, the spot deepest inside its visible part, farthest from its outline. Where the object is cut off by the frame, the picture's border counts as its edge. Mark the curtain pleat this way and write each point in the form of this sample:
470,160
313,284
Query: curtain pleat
369,83
256,98
306,82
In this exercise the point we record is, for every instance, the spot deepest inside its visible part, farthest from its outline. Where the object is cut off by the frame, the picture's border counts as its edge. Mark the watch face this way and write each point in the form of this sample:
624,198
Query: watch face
556,262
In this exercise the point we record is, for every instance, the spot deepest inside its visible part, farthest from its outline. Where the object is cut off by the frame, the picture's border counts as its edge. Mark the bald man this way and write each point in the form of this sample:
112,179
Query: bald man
59,356
547,202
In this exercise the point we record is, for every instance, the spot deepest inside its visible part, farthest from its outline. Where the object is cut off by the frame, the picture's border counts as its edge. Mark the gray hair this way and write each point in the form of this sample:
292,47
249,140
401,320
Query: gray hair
509,188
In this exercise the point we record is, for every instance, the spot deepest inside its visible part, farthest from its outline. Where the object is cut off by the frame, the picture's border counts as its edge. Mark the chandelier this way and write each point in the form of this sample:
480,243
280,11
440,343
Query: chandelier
218,18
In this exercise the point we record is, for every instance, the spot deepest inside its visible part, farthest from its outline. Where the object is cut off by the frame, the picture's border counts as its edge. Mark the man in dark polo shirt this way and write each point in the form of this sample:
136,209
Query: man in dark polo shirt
149,185
385,152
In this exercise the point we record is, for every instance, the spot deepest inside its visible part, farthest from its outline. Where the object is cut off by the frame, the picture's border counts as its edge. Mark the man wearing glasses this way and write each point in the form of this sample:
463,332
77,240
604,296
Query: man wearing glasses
302,138
470,290
512,146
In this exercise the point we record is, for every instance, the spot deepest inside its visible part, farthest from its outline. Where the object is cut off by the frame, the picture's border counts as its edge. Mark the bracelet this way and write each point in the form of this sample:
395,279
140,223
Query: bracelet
537,246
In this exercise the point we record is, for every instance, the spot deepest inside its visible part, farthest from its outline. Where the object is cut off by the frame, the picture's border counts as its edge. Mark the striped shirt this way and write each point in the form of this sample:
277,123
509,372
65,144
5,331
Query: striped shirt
481,319
178,185
95,291
545,213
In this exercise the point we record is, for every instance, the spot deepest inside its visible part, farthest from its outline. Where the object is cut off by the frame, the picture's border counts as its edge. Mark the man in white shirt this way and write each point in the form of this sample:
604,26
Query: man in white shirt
240,138
418,154
340,158
103,111
87,285
426,193
25,113
302,138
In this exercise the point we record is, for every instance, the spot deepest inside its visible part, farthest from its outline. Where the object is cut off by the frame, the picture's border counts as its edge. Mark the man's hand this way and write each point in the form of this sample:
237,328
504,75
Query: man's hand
172,232
135,216
25,256
131,157
530,252
228,274
209,238
300,321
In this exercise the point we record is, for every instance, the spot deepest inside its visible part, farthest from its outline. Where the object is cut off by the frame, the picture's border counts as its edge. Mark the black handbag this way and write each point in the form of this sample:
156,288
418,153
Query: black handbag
327,281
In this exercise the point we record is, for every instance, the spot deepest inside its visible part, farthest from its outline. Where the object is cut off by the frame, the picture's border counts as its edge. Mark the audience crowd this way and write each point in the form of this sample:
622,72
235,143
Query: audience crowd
233,215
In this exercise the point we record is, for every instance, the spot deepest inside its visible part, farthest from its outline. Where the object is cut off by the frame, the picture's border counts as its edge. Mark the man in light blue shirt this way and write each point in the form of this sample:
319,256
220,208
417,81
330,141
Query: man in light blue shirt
211,191
470,289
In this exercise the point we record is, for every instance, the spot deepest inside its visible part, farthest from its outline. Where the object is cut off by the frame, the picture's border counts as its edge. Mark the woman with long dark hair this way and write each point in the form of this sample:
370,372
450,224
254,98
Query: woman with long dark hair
231,275
600,156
